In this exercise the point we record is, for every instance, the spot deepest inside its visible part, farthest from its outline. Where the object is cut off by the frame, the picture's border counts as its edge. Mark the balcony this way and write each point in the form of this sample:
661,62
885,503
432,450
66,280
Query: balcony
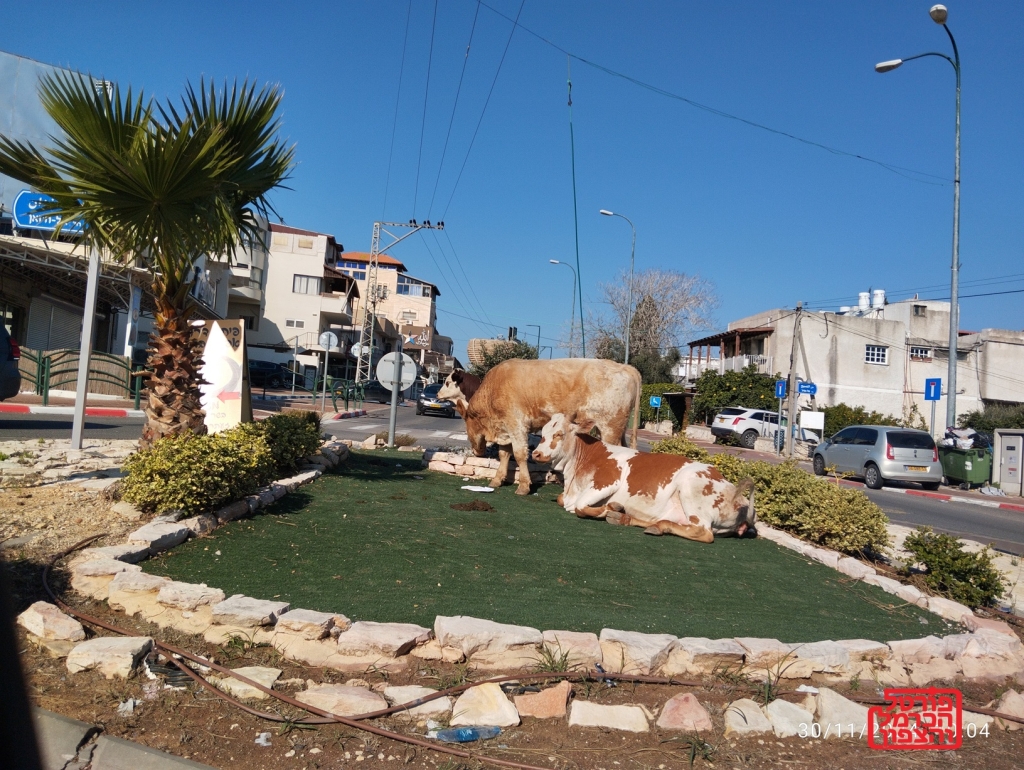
244,286
336,308
739,363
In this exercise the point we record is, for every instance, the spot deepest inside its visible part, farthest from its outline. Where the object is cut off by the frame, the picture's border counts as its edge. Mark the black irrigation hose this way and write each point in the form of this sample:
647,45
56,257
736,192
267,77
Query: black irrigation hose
356,722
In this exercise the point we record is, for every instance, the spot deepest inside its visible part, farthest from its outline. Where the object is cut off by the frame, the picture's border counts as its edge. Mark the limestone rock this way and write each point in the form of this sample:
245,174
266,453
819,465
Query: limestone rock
366,638
127,510
46,621
312,625
630,652
341,700
865,649
232,511
261,674
815,658
546,704
887,584
432,650
246,612
396,696
110,655
488,644
126,552
823,555
629,718
160,536
744,717
978,720
948,609
788,719
684,713
132,592
697,656
854,568
918,650
583,650
1012,703
764,653
188,596
484,704
102,567
974,623
199,526
834,709
912,595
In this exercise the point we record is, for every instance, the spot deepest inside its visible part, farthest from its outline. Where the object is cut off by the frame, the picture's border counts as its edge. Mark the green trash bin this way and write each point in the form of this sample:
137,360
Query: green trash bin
966,467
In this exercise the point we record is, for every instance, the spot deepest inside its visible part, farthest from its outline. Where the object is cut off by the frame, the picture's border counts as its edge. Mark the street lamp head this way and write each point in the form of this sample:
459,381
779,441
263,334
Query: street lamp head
607,213
938,13
888,66
554,262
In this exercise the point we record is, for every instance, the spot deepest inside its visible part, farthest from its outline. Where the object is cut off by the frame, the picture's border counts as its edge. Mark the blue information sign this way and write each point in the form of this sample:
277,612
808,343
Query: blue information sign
932,389
655,402
27,214
807,388
780,389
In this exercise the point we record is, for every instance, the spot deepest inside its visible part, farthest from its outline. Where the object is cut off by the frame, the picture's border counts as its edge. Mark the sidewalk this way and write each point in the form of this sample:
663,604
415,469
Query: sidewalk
95,405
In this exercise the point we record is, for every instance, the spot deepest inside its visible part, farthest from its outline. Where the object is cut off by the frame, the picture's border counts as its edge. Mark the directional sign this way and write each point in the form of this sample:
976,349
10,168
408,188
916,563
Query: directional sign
780,389
386,370
29,214
655,402
806,388
932,389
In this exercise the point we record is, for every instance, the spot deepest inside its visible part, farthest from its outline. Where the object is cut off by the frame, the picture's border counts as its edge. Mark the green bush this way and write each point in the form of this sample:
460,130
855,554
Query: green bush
793,500
994,416
968,578
196,473
716,391
842,415
647,412
291,435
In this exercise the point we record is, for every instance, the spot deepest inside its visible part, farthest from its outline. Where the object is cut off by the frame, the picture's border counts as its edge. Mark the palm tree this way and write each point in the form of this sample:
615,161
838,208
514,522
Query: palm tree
159,186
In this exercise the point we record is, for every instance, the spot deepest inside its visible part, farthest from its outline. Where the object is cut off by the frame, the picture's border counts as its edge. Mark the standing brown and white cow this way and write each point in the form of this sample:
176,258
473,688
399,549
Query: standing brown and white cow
666,494
518,397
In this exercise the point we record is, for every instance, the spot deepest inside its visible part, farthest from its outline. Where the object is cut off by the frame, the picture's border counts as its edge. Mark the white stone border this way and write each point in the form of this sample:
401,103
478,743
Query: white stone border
989,651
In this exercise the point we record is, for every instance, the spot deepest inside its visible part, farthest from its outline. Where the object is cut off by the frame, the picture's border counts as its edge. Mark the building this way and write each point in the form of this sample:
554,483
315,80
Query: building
876,355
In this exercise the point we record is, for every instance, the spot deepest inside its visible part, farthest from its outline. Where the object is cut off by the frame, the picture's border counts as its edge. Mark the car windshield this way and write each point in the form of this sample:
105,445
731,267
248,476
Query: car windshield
908,440
431,390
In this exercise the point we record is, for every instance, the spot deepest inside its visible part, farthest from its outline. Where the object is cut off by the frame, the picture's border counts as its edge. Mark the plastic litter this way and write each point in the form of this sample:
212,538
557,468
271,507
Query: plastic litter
471,488
127,708
995,491
609,682
467,734
807,688
263,739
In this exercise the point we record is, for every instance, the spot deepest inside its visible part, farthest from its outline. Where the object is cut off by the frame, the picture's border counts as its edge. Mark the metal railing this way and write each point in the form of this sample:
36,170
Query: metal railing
56,369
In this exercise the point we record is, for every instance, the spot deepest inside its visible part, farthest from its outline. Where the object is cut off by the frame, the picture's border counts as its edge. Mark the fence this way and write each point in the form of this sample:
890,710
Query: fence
111,375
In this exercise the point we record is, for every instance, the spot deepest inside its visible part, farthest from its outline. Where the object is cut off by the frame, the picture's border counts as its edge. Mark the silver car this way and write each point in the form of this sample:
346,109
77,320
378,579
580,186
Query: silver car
880,453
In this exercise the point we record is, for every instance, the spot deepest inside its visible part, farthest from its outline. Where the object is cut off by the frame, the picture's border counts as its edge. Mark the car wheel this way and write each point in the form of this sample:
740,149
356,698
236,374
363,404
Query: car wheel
419,411
931,486
819,465
872,478
275,382
749,439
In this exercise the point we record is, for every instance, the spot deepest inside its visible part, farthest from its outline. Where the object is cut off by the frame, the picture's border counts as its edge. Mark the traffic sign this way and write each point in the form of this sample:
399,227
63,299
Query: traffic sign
655,402
386,370
780,389
933,389
328,340
806,388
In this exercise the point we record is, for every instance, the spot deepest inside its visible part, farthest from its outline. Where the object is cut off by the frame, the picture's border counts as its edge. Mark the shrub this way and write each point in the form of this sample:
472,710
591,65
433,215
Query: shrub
968,578
195,473
994,416
842,415
290,436
716,391
648,412
793,500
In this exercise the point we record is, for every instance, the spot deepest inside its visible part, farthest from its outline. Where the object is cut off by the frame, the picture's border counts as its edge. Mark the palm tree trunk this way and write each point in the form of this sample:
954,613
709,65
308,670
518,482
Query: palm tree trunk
172,406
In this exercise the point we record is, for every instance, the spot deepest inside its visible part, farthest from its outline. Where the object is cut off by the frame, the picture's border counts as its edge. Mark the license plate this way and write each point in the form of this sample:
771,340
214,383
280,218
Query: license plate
921,468
435,406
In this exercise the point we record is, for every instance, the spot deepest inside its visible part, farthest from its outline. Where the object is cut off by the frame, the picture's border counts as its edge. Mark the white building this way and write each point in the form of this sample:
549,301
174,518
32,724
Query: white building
877,355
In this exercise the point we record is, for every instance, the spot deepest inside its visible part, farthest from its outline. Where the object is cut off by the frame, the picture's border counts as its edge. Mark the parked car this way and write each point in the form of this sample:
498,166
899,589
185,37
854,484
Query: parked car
429,403
746,424
374,391
10,377
268,373
880,453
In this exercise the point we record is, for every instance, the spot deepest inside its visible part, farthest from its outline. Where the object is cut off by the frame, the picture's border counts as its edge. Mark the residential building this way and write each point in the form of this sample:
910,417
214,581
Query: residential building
876,355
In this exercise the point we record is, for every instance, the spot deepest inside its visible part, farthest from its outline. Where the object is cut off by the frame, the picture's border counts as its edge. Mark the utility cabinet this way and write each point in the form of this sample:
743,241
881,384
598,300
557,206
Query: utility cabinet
1008,450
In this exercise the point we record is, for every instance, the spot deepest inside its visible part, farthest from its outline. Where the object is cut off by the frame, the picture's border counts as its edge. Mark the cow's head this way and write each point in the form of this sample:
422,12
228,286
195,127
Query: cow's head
736,516
459,387
556,440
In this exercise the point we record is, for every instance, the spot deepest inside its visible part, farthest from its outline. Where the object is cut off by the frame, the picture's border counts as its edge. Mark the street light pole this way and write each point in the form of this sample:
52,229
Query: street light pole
572,316
629,301
939,14
538,336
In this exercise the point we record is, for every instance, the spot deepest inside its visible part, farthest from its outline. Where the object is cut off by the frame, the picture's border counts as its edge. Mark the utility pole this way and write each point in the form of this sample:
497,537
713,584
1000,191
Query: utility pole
376,293
791,381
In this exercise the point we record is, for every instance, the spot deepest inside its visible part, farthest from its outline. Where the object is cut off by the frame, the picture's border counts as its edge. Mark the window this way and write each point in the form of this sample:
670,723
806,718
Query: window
920,311
407,315
907,440
304,243
920,353
355,269
845,436
306,284
876,354
252,322
255,278
412,287
292,323
866,436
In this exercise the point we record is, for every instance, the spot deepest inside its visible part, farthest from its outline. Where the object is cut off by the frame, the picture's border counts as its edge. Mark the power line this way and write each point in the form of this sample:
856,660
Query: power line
899,170
398,97
423,122
451,286
484,110
458,261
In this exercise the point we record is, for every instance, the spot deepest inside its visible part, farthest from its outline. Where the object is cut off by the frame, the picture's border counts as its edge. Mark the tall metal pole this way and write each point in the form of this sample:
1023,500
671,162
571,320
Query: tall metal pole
629,301
92,288
538,337
572,315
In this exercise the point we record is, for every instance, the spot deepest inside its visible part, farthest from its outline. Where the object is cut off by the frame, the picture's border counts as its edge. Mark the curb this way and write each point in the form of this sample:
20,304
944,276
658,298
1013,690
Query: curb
942,497
90,411
346,415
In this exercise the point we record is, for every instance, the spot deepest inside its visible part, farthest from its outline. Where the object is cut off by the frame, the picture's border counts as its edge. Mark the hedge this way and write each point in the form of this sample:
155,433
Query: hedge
193,473
647,412
791,499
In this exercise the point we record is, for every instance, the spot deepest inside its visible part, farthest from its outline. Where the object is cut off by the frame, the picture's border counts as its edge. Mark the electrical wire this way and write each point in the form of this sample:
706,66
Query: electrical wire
458,261
398,97
423,122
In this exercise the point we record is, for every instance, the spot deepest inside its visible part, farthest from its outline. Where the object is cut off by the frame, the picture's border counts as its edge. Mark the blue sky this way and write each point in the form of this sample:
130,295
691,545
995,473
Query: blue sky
766,219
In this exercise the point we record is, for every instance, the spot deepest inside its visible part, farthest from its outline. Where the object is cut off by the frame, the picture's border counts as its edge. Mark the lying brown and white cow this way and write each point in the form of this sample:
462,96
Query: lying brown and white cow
667,494
518,397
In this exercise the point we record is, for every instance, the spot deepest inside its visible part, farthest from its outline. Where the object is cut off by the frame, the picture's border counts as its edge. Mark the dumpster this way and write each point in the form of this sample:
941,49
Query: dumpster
966,467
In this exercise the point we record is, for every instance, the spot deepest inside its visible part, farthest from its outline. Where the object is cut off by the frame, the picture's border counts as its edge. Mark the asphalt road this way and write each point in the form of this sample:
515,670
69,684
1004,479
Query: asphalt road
1004,529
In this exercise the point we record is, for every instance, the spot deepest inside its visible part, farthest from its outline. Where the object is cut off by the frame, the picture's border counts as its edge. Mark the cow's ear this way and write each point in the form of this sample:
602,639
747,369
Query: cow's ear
583,426
457,376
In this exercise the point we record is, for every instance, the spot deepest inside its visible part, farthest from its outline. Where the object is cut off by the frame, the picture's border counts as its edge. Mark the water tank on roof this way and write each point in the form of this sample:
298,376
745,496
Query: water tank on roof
864,301
845,309
878,299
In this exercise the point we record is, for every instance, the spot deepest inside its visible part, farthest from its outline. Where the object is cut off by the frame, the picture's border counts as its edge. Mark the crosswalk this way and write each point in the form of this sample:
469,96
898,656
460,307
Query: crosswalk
364,426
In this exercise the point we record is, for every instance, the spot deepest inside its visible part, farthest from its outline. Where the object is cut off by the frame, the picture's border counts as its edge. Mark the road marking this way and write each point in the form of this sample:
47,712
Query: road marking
458,436
363,427
440,434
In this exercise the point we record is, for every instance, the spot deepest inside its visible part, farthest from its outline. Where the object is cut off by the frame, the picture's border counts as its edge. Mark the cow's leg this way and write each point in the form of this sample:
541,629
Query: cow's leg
613,431
521,449
627,519
592,512
697,532
501,475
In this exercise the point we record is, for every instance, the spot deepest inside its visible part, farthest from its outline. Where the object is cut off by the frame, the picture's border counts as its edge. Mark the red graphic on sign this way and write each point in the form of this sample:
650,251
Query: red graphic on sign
924,718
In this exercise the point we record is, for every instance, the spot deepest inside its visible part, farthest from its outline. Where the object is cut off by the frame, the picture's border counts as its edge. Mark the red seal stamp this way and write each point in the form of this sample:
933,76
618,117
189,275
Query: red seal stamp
924,718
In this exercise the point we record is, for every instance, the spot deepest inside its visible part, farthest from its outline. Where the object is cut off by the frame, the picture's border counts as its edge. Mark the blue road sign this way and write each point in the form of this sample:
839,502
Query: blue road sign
807,388
780,389
655,402
932,389
29,214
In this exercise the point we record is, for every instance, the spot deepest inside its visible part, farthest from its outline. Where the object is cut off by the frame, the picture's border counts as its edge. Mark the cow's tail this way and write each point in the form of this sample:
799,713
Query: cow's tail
636,410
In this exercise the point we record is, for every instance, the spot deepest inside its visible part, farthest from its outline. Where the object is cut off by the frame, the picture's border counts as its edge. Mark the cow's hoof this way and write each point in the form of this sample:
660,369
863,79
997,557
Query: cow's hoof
522,490
618,517
561,501
653,531
616,507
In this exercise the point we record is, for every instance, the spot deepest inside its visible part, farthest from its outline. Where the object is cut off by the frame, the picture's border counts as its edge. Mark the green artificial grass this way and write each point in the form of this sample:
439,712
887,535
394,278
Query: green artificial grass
375,542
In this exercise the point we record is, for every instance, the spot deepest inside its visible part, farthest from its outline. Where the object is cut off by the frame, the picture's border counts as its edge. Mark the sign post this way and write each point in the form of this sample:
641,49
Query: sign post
396,372
780,393
327,341
656,405
932,392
